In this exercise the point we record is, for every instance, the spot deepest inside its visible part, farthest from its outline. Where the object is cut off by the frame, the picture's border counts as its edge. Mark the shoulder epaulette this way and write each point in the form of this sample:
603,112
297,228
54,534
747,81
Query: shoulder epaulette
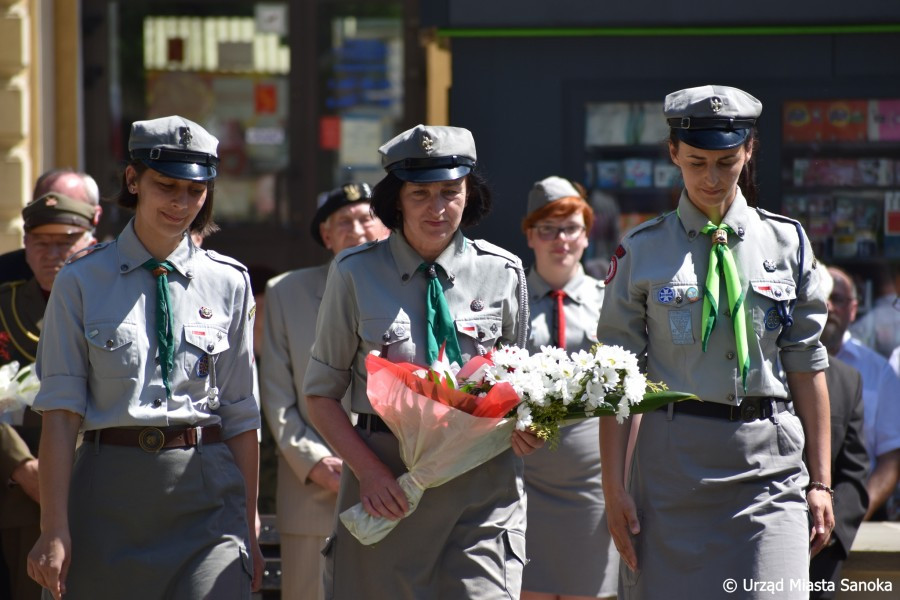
776,217
221,258
85,251
490,248
648,224
356,250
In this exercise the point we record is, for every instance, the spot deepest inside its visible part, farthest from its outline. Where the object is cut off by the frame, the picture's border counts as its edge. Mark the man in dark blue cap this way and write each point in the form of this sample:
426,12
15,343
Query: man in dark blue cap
308,470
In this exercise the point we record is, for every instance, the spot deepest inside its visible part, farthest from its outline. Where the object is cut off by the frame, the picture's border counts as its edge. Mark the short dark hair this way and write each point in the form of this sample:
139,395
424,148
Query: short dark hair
386,198
203,222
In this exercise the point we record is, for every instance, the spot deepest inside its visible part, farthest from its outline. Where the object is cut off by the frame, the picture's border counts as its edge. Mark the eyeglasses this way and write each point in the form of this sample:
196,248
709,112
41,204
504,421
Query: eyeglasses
548,233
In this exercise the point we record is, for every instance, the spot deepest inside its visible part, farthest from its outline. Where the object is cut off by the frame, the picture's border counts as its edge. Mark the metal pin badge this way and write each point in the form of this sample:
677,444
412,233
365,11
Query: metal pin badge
769,265
205,312
477,305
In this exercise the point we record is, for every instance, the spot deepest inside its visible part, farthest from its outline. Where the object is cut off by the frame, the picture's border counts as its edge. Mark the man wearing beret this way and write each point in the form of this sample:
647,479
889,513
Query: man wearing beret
308,472
56,227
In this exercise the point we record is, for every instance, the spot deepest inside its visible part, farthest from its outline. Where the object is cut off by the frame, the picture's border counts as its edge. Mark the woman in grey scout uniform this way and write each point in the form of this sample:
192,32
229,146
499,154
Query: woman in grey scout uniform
725,301
571,554
147,349
466,539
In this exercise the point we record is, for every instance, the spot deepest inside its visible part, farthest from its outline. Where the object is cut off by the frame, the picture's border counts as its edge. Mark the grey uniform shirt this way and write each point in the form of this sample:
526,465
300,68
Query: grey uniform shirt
584,297
98,354
375,300
654,302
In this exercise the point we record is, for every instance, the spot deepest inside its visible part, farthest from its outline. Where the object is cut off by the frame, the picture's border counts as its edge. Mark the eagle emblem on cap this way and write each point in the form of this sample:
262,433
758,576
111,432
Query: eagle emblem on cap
427,143
716,104
186,137
351,190
51,201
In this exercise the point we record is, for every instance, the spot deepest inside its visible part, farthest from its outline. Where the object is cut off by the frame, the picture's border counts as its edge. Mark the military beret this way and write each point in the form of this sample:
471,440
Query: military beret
175,147
549,190
712,117
58,209
331,202
428,153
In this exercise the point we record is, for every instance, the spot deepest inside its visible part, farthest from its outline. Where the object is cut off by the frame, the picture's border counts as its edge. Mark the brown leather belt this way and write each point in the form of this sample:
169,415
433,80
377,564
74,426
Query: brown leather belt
751,409
153,439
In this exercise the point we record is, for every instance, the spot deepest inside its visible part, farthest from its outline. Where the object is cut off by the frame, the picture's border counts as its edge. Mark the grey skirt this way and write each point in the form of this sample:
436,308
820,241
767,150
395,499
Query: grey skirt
721,505
170,525
466,539
570,549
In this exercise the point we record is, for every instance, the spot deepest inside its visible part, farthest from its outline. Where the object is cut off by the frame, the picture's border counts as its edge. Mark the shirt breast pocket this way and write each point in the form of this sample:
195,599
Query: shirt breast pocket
478,333
767,299
203,343
391,337
111,349
675,310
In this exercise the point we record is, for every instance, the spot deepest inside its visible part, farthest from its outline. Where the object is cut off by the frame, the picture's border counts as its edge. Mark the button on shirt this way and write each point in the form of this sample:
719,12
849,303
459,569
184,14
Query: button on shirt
584,297
663,263
98,354
881,401
375,300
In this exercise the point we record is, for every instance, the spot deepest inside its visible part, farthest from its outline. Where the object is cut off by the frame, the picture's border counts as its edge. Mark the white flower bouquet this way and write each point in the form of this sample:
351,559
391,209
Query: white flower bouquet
18,388
449,420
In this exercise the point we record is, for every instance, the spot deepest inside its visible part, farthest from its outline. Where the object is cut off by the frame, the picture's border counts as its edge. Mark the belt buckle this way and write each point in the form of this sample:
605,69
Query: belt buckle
749,410
151,439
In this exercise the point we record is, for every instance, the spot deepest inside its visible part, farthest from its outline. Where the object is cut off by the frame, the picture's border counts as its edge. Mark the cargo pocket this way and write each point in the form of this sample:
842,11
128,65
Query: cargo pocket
791,438
514,543
478,333
203,343
763,302
111,350
391,337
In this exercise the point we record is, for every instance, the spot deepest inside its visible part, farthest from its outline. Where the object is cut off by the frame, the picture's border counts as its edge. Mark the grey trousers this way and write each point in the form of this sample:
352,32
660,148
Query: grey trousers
169,525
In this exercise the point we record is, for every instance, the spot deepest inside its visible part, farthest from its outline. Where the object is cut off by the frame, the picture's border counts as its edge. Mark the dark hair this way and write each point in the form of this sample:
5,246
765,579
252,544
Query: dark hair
747,178
203,222
386,200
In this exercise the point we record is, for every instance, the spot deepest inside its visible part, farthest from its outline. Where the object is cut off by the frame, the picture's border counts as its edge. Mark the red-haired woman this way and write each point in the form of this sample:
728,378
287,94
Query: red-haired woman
571,553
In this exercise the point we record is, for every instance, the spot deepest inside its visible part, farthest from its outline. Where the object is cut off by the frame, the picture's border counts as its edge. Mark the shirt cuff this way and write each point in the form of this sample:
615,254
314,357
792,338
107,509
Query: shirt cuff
804,361
324,380
239,417
64,392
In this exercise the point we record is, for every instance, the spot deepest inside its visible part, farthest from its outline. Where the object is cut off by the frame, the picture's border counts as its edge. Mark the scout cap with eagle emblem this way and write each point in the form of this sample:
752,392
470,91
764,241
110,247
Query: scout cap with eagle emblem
550,189
712,117
57,213
175,147
429,153
331,202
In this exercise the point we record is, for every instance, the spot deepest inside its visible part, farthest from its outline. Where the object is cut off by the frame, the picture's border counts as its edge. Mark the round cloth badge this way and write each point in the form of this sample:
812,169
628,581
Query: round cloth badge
611,272
665,295
692,294
773,320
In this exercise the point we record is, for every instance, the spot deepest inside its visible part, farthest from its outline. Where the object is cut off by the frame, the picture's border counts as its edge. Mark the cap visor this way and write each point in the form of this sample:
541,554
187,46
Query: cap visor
713,139
431,175
182,170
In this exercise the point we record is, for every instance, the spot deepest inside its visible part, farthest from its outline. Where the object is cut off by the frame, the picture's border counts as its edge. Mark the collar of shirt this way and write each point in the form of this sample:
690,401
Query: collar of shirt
538,287
132,254
693,220
407,260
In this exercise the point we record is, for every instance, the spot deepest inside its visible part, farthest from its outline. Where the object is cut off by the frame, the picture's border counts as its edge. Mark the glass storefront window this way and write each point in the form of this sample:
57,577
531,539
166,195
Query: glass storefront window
229,74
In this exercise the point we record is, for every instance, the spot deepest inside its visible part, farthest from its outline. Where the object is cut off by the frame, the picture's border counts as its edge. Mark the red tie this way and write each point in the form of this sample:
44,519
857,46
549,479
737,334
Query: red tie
559,295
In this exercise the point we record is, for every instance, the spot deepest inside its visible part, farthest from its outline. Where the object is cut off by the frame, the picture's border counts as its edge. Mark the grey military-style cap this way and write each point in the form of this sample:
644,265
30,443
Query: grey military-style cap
712,117
176,147
549,190
428,153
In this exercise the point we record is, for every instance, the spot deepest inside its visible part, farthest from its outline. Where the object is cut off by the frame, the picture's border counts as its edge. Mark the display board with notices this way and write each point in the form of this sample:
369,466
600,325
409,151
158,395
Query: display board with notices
841,175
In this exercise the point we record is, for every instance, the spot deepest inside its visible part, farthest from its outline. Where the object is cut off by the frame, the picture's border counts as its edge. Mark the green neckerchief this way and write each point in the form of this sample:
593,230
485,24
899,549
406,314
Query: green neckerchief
720,255
165,322
441,328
